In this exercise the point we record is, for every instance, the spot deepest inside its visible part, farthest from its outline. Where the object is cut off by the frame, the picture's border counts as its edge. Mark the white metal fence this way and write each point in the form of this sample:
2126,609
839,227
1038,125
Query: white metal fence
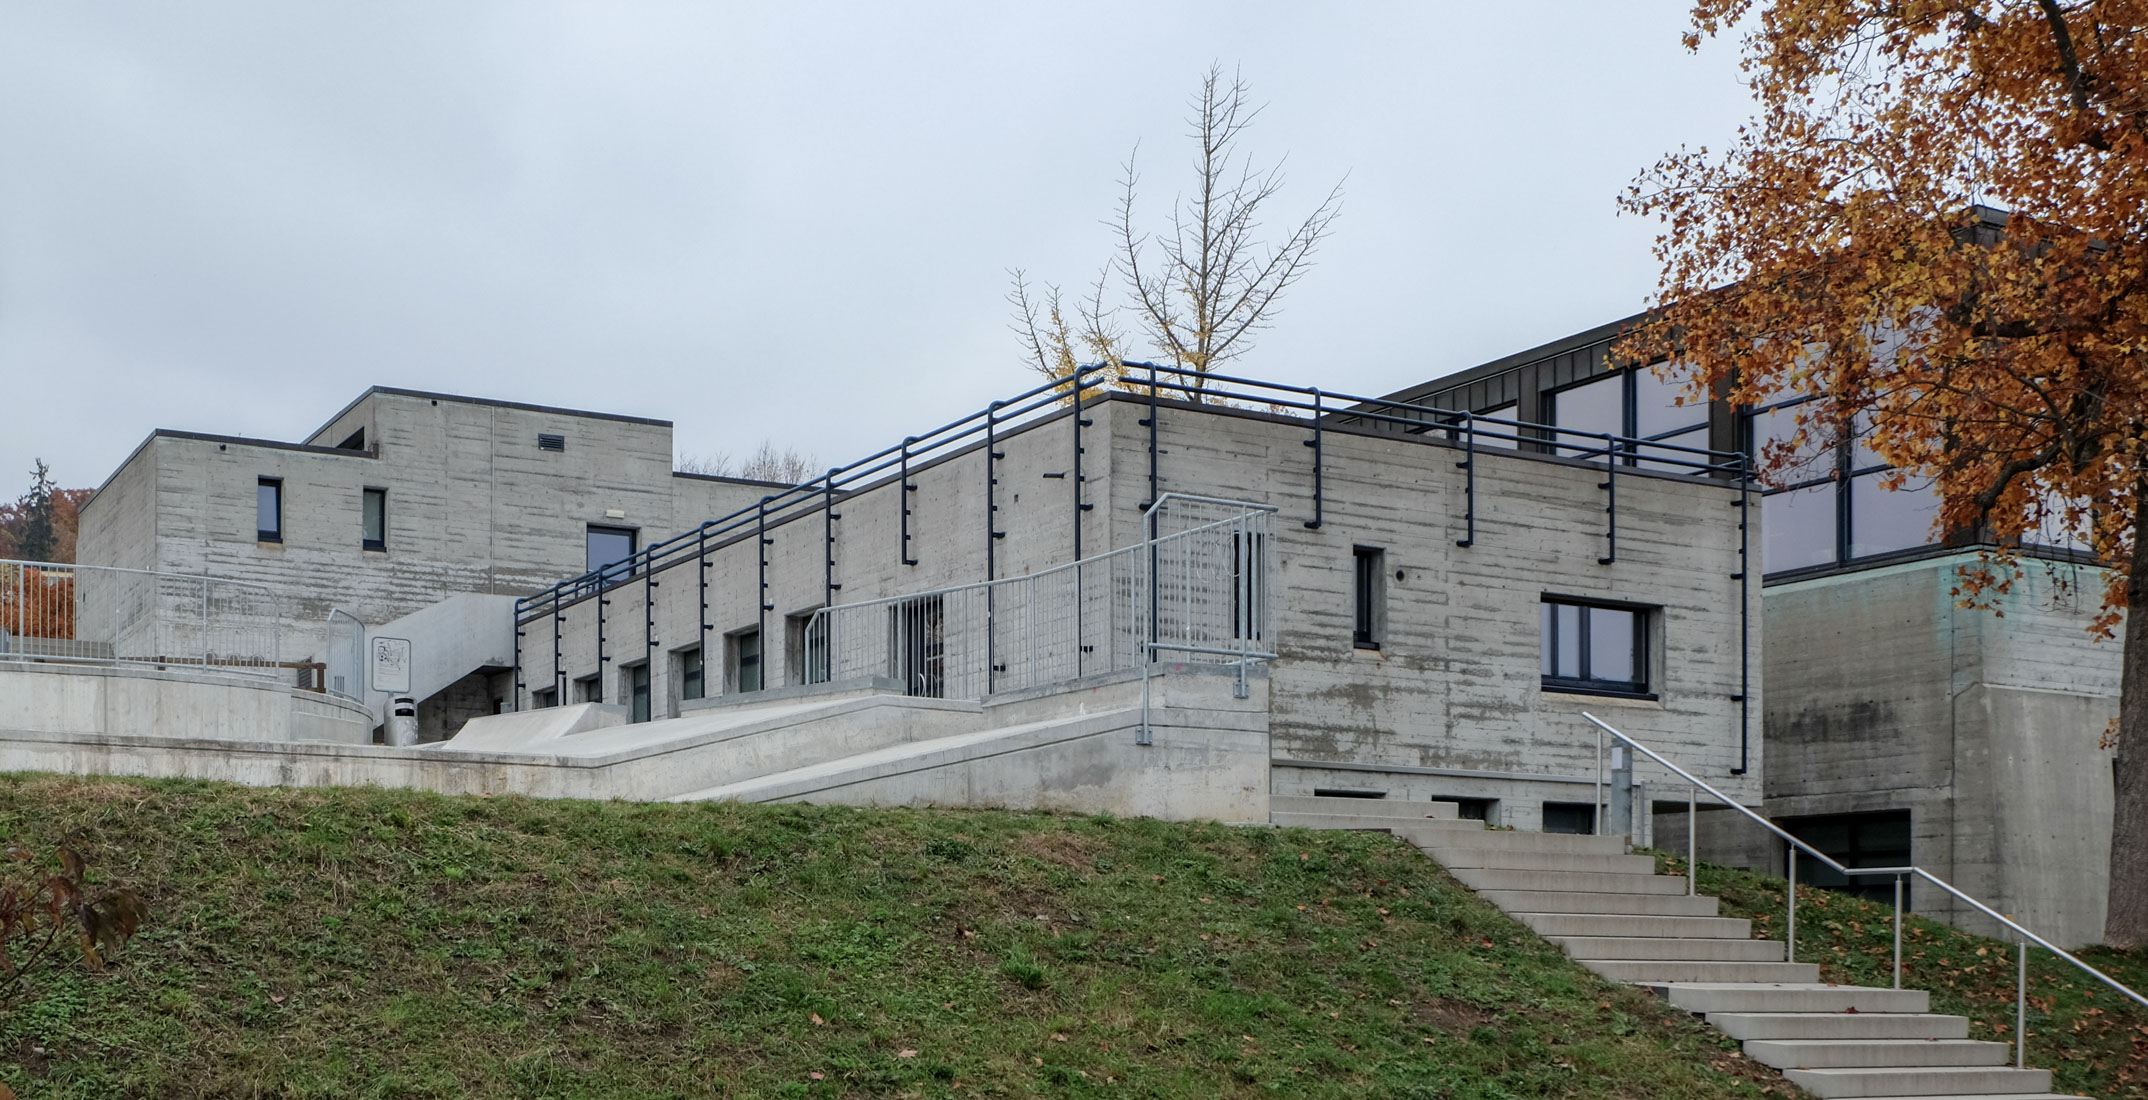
1196,595
97,614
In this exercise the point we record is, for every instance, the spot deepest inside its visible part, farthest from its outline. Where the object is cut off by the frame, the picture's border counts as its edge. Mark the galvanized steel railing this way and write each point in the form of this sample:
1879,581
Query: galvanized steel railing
1198,594
57,611
1899,874
1316,408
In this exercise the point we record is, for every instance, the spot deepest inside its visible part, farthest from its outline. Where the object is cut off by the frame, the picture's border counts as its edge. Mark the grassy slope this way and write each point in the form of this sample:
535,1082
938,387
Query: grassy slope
2094,1041
353,943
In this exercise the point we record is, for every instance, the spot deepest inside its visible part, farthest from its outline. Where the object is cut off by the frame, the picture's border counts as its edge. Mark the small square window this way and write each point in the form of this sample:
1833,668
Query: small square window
1593,647
589,689
546,441
268,509
544,697
374,519
608,546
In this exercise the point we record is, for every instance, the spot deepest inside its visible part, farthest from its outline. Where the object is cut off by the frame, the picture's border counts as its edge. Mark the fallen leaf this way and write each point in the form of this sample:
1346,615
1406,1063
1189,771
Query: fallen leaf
817,1021
816,1075
905,1054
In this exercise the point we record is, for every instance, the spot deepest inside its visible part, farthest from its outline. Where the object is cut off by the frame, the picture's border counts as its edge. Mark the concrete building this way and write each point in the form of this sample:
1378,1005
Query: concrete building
1899,728
402,500
1441,609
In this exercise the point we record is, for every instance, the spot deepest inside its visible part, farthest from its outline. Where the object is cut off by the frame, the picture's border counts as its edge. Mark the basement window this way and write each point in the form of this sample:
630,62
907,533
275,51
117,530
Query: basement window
690,677
589,689
1599,649
544,697
636,683
268,509
745,670
1570,817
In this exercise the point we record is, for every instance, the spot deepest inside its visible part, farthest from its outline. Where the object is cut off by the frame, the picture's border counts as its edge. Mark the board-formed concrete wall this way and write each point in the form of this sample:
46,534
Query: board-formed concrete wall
1983,724
1452,703
473,505
68,701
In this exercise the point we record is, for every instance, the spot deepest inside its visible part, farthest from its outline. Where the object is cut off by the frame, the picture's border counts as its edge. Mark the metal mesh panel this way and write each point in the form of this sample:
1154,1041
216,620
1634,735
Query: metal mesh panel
56,611
1197,594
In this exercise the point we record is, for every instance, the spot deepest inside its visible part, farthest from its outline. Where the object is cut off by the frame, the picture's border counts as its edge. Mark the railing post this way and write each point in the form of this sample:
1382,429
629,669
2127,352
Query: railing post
1692,841
1597,825
1898,931
2021,1011
1790,932
205,623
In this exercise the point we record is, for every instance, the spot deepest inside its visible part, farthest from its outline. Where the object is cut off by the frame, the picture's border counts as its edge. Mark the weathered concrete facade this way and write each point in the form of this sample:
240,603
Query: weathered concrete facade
474,503
1982,724
1451,703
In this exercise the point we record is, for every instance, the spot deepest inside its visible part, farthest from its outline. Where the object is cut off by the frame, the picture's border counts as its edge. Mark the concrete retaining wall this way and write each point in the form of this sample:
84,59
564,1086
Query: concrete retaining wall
63,702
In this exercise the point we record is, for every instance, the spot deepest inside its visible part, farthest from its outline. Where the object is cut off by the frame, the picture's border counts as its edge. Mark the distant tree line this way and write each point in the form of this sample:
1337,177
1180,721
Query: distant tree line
41,525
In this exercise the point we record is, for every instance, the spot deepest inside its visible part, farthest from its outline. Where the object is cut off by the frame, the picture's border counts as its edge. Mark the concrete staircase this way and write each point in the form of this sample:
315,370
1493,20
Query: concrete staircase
1616,916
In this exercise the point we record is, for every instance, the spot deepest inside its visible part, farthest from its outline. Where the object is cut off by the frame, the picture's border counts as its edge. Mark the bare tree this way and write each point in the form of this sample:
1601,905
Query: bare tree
1204,288
1056,344
766,463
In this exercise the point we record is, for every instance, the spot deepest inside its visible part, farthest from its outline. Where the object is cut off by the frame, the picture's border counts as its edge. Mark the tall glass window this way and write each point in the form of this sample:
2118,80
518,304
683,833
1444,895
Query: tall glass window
1635,404
1826,503
373,519
268,509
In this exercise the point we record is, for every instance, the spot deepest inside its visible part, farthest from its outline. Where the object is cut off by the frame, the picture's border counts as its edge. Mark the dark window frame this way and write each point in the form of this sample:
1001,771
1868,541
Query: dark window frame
693,673
268,534
737,661
365,496
551,441
1644,630
612,570
1368,596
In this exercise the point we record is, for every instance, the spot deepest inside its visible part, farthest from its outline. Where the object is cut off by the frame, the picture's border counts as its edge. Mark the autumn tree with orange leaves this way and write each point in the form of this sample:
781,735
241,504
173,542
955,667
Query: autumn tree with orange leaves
1848,244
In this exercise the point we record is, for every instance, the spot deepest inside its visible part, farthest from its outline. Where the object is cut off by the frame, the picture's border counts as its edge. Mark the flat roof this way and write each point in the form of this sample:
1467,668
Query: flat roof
1506,363
491,402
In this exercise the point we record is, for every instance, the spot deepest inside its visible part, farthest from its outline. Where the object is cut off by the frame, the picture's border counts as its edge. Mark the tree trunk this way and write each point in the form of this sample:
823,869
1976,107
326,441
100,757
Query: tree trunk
2125,922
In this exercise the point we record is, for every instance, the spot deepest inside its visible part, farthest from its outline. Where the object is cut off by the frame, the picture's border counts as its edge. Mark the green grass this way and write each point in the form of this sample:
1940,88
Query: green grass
367,943
2094,1041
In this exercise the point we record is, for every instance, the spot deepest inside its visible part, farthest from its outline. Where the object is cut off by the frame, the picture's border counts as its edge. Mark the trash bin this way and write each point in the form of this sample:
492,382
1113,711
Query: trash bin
402,721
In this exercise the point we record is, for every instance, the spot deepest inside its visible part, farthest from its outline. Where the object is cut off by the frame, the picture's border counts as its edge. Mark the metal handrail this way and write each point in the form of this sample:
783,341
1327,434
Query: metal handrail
1318,404
2021,1035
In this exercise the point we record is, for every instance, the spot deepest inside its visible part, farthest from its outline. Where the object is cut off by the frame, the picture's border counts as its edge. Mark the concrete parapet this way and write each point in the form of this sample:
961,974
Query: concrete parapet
64,701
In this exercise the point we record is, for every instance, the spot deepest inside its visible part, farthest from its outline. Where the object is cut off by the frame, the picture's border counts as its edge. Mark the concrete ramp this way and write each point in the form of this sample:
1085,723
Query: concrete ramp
531,730
1201,766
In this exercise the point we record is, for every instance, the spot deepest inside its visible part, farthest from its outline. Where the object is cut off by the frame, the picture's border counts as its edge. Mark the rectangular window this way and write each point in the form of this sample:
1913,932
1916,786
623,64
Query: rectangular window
637,691
1596,407
1570,817
608,546
1879,839
1249,611
546,441
1369,591
374,510
268,509
745,669
691,684
1595,648
589,689
544,697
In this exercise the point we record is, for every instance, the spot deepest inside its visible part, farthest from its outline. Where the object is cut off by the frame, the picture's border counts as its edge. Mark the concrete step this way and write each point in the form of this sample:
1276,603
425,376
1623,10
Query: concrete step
1363,807
1832,1084
1514,840
1714,996
1512,859
1380,822
1839,1025
1628,924
1599,882
1655,971
1875,1053
1658,947
1600,904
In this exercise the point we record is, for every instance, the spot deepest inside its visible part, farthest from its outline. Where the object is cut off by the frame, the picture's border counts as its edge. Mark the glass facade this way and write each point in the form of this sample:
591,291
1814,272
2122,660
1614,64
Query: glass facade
1826,501
1635,404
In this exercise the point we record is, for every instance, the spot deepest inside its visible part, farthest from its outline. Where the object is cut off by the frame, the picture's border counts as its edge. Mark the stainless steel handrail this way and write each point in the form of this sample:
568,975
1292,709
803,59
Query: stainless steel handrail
2021,1035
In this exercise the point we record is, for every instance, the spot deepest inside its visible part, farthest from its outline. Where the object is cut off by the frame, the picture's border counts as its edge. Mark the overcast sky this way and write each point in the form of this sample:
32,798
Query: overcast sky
785,220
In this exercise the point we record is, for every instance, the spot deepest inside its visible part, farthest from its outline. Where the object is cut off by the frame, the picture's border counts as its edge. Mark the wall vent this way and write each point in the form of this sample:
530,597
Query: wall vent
546,441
